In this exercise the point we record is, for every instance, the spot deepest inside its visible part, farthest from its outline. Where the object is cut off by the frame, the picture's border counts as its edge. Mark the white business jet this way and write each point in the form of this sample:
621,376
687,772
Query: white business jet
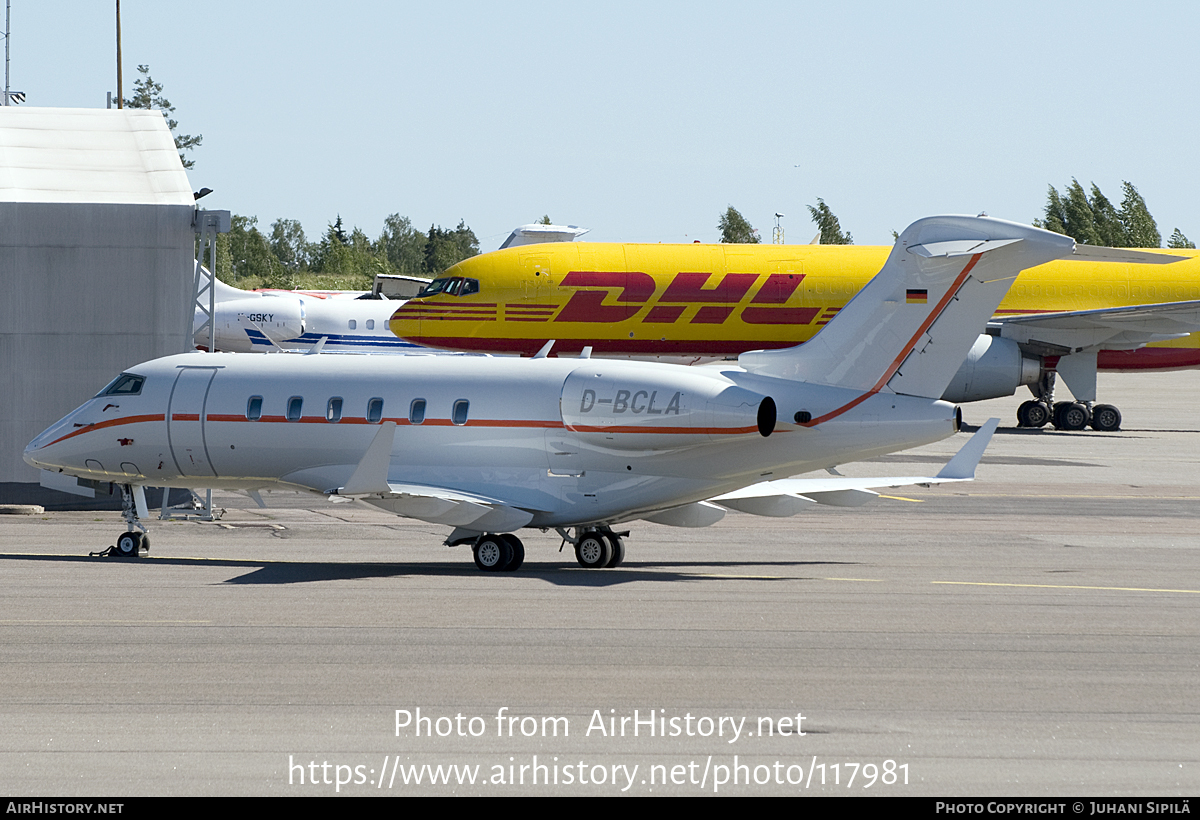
270,321
488,446
341,321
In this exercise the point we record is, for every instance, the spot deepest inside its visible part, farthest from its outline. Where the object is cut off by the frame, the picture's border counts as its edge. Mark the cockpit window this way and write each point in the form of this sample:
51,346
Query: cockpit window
450,286
436,286
126,384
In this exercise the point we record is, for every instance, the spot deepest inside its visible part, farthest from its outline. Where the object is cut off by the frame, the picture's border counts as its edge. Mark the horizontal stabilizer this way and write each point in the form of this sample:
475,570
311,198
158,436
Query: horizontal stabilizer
788,496
1099,253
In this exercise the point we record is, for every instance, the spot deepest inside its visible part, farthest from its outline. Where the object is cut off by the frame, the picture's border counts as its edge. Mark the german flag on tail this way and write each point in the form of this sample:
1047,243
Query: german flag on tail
917,296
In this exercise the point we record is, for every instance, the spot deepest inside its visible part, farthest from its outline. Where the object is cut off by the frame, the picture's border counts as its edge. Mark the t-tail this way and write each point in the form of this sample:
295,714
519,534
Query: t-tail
910,329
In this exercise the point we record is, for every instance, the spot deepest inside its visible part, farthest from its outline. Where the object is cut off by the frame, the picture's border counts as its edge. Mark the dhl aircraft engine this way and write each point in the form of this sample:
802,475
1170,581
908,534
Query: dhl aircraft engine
629,408
277,318
994,368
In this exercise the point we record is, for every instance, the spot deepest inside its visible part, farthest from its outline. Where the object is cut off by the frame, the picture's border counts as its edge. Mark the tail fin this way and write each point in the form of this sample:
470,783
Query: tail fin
913,324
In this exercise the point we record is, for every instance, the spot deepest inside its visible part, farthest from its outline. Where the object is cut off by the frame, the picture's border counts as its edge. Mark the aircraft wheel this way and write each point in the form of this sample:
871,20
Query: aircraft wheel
618,552
518,552
1033,414
1106,418
492,553
1071,416
129,544
593,551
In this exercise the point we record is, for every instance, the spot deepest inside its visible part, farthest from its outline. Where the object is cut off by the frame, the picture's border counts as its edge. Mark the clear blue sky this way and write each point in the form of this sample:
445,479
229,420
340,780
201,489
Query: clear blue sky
643,121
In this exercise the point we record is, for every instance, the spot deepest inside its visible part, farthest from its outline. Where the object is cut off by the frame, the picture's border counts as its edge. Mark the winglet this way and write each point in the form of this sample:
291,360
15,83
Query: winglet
371,474
962,466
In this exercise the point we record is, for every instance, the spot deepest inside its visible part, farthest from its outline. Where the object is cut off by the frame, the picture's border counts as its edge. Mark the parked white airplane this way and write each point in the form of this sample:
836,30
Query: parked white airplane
264,321
488,446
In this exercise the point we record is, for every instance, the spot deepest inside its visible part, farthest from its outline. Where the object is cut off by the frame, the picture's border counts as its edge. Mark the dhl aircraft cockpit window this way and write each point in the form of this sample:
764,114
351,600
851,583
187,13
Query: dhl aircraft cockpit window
437,286
450,286
126,384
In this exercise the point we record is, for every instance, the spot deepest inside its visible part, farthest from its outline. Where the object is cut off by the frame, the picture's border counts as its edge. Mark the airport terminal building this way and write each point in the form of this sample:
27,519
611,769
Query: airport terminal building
97,264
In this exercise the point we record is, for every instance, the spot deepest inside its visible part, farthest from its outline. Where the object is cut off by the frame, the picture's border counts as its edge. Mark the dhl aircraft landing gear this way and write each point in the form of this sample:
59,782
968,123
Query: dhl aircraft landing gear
1065,415
596,547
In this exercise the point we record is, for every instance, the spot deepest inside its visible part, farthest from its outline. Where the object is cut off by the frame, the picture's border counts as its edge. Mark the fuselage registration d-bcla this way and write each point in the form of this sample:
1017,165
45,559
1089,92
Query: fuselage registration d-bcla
488,446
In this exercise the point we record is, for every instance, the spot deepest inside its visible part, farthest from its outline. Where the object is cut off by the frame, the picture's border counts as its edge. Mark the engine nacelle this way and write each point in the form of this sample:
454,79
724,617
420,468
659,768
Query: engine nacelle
995,367
244,325
632,408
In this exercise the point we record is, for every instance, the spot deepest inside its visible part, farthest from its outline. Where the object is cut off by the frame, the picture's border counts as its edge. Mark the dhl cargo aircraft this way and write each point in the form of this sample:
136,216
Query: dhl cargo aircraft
1068,317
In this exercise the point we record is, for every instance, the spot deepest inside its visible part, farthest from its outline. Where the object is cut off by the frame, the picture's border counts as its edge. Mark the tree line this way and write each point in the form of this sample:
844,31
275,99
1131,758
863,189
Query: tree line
285,258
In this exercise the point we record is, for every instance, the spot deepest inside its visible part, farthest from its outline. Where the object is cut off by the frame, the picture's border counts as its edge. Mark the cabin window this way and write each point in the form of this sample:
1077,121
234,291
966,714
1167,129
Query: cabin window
254,408
375,410
416,411
126,384
295,407
370,324
352,324
460,411
333,412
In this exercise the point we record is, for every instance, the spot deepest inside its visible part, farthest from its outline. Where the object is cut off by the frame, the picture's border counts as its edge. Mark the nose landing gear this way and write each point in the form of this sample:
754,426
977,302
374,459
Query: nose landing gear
134,542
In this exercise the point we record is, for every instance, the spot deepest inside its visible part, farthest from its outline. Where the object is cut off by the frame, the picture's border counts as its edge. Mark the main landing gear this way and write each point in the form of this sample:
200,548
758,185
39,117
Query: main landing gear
1066,415
498,553
596,548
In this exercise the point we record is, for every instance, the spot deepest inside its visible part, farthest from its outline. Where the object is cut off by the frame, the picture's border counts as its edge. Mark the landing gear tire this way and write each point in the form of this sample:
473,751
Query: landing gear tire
1033,414
618,552
593,551
1071,416
129,544
518,550
1106,418
493,553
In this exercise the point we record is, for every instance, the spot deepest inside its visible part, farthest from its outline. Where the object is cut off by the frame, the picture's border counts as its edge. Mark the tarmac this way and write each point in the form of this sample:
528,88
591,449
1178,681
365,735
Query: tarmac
1035,633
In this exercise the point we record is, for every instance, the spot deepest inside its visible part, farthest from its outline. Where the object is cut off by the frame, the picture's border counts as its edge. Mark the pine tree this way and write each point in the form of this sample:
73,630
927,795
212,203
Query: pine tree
1180,242
1140,228
148,94
831,229
735,230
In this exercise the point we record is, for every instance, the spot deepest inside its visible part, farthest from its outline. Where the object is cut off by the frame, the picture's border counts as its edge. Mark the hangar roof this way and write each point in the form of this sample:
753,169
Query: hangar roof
90,155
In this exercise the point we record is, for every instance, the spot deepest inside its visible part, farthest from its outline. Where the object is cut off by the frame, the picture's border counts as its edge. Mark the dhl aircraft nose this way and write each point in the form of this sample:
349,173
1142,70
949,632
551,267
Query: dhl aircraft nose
406,322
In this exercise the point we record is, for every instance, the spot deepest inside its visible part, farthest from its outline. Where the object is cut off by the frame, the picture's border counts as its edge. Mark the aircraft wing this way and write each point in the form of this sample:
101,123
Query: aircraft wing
789,496
1121,328
439,505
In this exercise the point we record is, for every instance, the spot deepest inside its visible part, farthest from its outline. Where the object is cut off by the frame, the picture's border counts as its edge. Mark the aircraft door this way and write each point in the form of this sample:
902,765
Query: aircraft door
536,279
186,412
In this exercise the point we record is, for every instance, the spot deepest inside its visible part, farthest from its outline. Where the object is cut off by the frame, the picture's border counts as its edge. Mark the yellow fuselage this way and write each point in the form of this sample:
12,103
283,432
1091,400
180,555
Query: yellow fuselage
721,300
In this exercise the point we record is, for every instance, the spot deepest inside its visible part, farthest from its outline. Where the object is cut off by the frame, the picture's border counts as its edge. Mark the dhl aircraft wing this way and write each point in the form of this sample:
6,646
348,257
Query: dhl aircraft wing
1118,328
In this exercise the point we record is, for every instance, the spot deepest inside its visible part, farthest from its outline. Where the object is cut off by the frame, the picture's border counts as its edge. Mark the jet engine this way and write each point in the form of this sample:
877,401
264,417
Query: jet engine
995,367
244,325
635,408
